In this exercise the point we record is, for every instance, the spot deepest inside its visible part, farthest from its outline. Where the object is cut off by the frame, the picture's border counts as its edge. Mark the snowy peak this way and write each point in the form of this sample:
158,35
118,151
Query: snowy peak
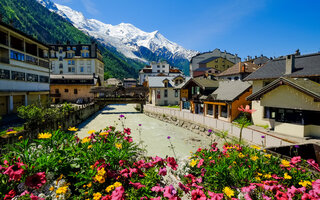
125,37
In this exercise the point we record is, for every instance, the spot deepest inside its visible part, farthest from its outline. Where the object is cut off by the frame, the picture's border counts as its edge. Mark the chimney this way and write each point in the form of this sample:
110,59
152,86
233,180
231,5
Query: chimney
297,52
255,57
290,64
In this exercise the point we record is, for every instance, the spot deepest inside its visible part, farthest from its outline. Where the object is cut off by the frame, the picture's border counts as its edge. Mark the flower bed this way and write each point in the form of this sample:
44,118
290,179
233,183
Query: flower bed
246,173
105,165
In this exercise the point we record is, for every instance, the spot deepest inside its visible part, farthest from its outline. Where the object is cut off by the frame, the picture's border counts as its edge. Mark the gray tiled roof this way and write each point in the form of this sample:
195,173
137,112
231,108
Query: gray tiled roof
229,90
206,83
157,81
306,66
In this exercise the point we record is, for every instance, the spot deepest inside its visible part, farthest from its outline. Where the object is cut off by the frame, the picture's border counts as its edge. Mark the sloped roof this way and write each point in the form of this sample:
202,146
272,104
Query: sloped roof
229,90
157,81
202,69
182,84
304,85
305,66
208,60
238,68
205,83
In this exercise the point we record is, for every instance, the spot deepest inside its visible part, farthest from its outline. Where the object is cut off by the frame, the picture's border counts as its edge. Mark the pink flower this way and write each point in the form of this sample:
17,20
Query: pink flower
132,170
184,188
265,197
129,139
15,172
281,195
307,196
157,160
247,109
33,197
125,173
136,185
107,197
200,163
157,198
122,162
118,193
198,195
248,189
215,196
162,171
203,171
10,195
313,164
37,180
157,189
172,163
127,131
169,192
296,160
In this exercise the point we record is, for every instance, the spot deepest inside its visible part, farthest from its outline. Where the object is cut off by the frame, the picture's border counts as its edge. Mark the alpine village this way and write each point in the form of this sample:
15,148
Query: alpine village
90,110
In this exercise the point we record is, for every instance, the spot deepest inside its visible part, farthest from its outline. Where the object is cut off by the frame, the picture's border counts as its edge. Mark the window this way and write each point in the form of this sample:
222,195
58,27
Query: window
158,66
224,111
163,66
192,90
85,48
57,91
216,60
210,109
89,69
73,62
186,105
165,102
158,71
176,93
60,50
89,62
44,79
32,77
68,48
32,60
61,72
60,58
75,91
166,84
198,90
87,55
19,76
158,94
16,55
81,69
165,93
73,69
163,71
69,69
4,74
66,90
74,48
60,66
69,62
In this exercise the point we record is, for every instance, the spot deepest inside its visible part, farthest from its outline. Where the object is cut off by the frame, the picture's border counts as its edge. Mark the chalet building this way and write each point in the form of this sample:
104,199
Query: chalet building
205,72
286,95
238,71
75,61
260,61
165,90
194,92
72,88
223,103
24,70
129,82
113,82
195,60
158,69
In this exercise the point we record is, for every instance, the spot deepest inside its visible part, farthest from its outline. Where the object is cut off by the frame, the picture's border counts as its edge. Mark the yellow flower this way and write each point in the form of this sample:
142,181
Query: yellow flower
97,196
91,131
62,190
90,146
258,178
234,162
44,135
91,166
117,184
84,186
256,147
267,176
59,127
20,137
102,172
286,176
193,162
72,129
267,155
210,158
285,163
259,174
241,155
51,188
85,140
99,178
118,145
11,132
89,185
103,133
109,188
228,191
254,158
305,183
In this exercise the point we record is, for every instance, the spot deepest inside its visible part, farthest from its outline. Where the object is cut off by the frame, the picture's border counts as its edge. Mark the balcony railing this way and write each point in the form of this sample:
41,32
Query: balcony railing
4,60
43,63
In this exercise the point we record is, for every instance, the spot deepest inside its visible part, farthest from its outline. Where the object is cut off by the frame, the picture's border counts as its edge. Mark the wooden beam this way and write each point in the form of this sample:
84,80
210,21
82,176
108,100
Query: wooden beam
215,103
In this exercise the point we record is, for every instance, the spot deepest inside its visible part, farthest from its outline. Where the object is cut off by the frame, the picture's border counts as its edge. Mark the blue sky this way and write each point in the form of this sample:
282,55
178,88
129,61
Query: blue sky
246,27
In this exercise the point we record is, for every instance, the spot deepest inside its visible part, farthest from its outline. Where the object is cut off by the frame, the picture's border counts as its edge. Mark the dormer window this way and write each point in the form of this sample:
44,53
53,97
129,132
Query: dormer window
166,84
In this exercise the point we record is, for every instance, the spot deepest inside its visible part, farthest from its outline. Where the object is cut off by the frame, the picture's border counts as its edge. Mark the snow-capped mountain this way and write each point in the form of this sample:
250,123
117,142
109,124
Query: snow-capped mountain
126,38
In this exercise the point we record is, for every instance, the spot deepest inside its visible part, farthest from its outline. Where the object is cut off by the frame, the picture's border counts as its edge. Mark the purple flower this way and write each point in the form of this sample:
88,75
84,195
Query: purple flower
210,131
9,130
168,137
121,116
296,146
139,124
262,136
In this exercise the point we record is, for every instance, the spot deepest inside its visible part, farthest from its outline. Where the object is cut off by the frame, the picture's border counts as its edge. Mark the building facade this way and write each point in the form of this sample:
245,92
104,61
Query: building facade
157,69
76,59
24,70
194,62
238,71
129,82
286,95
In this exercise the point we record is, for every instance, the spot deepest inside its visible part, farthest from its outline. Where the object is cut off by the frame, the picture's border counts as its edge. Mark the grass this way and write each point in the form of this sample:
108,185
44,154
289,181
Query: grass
266,126
173,106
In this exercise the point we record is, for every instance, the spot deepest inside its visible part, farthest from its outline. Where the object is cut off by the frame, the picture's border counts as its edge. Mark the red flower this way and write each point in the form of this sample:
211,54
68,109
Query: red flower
127,131
172,163
307,196
247,109
198,195
281,195
163,171
15,172
10,195
136,185
184,188
296,160
37,180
